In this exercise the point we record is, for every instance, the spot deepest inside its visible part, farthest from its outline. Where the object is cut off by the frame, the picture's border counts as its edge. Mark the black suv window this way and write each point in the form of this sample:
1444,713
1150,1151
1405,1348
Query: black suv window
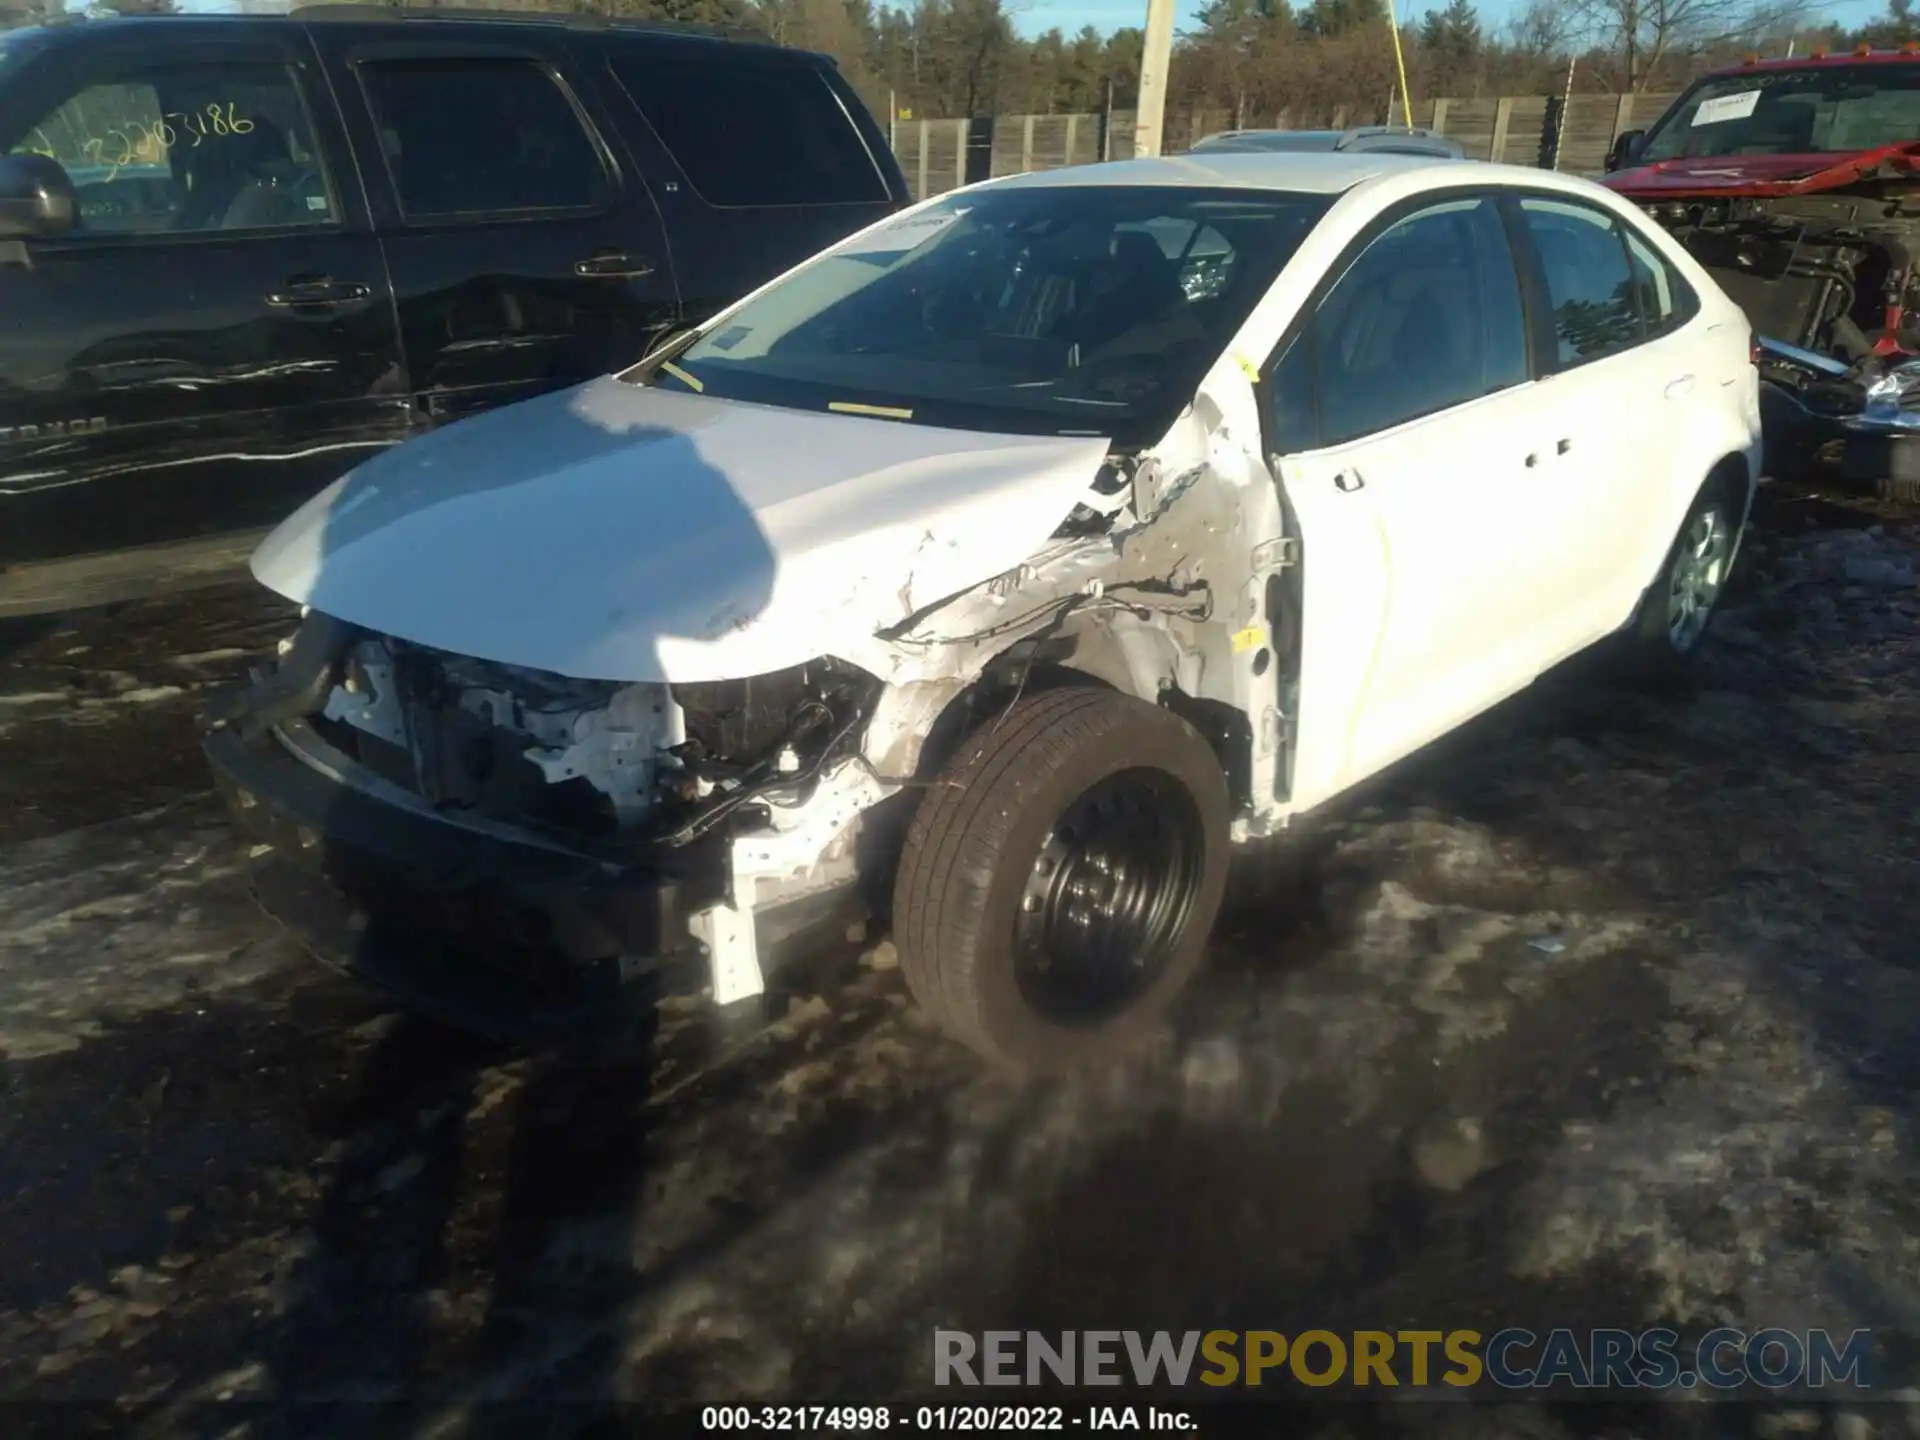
1589,284
753,134
1426,318
481,137
185,148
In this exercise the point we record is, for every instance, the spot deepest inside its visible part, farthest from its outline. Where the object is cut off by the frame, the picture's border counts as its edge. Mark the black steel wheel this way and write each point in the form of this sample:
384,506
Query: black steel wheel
1059,882
1109,896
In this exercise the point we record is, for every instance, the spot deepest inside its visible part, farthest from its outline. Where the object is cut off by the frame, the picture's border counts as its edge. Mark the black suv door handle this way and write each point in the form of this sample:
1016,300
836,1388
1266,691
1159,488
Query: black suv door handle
612,265
319,292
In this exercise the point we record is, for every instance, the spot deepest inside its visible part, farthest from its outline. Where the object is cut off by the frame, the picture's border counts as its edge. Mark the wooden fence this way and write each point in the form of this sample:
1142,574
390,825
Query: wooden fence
1516,129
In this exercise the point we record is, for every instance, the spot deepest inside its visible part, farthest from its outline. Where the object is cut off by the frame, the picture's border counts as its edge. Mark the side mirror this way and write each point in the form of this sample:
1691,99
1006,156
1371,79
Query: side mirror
1626,150
36,198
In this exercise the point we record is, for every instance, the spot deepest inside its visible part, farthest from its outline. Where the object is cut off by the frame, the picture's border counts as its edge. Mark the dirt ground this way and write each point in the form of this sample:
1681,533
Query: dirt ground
1605,1014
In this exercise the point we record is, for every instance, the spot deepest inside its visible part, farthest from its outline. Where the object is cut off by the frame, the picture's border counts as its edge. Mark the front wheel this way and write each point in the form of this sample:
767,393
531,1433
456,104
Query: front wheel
1060,879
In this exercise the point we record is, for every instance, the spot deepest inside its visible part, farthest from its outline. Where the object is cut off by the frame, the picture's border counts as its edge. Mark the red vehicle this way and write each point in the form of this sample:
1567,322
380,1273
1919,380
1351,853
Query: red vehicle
1797,183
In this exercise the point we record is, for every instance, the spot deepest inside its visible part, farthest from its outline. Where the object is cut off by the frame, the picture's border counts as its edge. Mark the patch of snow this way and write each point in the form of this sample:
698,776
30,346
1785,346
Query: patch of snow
119,919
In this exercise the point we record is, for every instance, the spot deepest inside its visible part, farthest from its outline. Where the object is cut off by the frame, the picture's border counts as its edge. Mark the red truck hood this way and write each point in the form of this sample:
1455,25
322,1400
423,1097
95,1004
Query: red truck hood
1765,174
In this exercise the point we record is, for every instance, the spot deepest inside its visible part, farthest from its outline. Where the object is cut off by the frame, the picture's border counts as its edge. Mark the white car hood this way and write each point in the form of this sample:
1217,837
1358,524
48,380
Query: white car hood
615,532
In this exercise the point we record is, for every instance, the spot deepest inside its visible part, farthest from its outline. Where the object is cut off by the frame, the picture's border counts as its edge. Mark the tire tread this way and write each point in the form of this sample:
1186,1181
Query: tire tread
954,844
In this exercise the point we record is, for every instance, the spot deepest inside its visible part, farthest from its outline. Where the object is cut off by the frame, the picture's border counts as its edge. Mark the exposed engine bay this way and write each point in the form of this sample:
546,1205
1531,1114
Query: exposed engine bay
590,759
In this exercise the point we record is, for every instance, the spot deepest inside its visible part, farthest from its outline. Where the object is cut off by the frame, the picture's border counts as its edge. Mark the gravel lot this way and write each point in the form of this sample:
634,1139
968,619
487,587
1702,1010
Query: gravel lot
1606,1013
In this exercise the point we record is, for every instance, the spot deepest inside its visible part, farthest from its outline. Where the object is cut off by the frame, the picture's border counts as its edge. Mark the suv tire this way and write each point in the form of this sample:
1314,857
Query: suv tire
1060,879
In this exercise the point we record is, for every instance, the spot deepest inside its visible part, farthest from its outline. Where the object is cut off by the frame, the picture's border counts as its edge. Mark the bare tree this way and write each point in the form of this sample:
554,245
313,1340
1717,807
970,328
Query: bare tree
1543,28
1643,33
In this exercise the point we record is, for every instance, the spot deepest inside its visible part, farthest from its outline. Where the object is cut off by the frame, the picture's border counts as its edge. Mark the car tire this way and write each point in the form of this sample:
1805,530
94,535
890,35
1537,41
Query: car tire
1679,606
1060,879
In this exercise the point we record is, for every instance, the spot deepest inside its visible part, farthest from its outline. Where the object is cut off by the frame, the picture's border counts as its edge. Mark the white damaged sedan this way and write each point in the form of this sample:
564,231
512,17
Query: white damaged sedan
997,571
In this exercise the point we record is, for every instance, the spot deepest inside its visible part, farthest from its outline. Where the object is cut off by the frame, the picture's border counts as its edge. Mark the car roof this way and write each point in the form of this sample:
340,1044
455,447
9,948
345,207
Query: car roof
1313,172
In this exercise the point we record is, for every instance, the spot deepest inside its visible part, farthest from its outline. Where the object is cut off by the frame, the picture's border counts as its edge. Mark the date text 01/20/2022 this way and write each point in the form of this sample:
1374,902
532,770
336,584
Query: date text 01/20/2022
758,1419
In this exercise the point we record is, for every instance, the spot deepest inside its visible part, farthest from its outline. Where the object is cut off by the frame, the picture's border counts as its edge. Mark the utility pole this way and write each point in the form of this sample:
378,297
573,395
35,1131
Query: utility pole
1155,56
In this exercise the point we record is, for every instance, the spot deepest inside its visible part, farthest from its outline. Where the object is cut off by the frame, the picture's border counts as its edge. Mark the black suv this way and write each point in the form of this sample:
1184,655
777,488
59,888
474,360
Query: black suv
238,255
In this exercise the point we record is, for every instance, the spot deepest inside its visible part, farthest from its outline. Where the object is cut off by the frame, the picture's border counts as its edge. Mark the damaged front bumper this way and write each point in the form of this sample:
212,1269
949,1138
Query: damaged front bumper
1862,419
485,926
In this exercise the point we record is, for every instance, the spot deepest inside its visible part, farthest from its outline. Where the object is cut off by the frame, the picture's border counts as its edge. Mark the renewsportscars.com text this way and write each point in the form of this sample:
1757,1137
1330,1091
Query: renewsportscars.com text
1510,1359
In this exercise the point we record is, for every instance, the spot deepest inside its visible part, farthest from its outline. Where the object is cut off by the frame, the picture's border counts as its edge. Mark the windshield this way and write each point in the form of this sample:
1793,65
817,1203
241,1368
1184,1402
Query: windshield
1076,309
1832,109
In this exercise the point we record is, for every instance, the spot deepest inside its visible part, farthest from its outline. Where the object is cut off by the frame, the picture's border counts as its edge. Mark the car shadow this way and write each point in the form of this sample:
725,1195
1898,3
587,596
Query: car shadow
495,526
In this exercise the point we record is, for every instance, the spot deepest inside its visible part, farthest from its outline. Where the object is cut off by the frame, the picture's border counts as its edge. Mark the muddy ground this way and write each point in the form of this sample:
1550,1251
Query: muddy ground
1606,1014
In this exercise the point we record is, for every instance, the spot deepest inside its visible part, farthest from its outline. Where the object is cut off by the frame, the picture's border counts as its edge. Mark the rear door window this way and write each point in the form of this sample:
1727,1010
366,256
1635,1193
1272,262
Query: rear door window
1589,284
752,134
482,137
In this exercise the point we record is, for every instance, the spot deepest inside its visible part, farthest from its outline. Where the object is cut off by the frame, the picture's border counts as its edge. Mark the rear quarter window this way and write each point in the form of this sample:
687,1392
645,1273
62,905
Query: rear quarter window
1666,300
752,134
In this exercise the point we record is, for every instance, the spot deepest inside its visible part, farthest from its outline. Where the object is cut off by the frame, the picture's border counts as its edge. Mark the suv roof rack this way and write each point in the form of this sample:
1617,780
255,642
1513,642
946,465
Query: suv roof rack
1357,133
374,12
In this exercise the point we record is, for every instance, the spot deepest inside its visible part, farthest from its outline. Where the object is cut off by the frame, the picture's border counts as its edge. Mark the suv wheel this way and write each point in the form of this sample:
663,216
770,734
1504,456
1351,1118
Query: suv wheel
1060,879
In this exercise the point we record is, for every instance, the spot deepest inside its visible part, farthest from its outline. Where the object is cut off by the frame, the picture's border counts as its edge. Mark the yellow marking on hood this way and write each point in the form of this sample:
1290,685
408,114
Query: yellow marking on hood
884,412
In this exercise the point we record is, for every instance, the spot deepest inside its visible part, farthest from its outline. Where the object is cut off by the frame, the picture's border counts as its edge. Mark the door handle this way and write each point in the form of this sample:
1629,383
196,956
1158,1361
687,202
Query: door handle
1561,447
1348,481
1677,388
612,265
319,292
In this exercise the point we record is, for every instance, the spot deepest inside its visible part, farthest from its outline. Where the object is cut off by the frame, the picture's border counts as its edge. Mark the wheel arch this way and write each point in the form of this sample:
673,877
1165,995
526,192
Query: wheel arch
1731,474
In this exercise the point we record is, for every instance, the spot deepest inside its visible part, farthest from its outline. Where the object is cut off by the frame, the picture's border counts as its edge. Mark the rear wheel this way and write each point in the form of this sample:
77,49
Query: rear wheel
1680,605
1060,880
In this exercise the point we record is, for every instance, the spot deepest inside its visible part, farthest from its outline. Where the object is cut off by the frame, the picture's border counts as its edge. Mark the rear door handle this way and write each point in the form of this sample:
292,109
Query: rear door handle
1677,388
1348,480
612,265
1561,447
319,292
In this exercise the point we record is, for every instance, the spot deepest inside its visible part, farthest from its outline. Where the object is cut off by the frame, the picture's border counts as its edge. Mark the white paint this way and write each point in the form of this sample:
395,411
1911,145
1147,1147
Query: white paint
1424,619
1458,574
622,533
1726,107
